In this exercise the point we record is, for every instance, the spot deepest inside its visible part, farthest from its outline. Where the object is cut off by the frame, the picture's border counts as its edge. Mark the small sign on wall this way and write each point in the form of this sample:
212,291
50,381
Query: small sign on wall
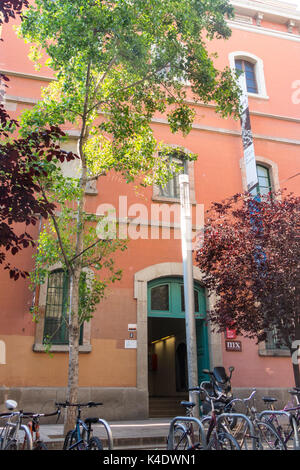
230,334
130,344
233,346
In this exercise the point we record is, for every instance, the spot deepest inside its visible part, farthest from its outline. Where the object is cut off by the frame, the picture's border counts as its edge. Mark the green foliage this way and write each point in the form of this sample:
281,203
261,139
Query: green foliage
117,65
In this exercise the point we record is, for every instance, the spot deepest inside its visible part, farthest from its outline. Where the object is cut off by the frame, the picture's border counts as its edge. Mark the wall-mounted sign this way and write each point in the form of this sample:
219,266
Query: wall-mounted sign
231,345
130,344
230,333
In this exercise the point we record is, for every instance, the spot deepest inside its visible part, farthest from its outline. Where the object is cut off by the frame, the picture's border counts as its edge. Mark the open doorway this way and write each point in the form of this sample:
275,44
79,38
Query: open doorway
167,352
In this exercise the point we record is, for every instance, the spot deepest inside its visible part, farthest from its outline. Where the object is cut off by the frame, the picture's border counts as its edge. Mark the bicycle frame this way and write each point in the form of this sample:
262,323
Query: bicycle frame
189,420
7,435
79,438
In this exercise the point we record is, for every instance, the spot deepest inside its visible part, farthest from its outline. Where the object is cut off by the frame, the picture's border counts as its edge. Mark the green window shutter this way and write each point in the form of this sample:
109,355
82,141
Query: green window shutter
56,313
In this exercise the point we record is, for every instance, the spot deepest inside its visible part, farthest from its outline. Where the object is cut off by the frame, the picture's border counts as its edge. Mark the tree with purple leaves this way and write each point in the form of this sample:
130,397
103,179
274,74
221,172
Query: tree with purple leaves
21,168
250,258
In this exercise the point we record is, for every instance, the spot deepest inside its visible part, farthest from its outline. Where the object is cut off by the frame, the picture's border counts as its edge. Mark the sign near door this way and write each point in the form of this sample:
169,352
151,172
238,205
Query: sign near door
235,346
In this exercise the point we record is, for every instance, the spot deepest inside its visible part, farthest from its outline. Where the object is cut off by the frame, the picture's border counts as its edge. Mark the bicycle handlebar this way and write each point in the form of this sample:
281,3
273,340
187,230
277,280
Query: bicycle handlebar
41,415
200,389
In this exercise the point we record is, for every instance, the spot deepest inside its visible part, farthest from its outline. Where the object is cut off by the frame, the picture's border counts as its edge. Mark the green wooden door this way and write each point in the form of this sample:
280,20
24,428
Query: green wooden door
166,300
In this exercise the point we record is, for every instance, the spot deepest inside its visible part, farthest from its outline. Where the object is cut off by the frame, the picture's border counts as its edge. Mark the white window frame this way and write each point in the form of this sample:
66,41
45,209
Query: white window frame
258,70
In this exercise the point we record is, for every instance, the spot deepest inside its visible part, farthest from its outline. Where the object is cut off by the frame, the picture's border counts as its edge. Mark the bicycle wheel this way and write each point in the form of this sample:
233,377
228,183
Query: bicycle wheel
222,441
11,445
95,444
40,446
268,437
70,439
181,440
241,433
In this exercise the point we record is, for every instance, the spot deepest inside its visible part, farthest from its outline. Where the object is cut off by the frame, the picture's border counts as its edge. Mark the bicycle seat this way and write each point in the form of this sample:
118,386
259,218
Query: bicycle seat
269,399
294,392
188,404
91,420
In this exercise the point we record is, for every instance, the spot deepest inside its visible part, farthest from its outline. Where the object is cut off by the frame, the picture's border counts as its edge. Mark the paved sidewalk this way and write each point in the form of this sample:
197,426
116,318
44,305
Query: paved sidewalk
144,434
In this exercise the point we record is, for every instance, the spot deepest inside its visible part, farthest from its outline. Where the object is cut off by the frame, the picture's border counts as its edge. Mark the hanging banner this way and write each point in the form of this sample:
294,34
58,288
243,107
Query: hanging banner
247,138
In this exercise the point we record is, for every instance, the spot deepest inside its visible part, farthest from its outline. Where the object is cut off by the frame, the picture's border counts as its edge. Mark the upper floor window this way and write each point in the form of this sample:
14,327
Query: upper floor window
264,186
172,189
253,67
249,69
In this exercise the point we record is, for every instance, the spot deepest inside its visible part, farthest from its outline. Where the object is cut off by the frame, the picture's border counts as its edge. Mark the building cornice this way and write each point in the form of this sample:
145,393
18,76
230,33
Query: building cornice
272,10
265,31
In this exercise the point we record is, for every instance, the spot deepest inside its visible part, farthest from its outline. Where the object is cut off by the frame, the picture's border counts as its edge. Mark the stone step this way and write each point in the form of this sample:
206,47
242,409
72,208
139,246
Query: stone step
165,407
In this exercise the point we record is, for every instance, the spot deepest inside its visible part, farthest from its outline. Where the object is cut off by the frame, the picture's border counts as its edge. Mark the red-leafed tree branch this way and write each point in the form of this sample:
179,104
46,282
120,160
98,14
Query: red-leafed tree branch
251,261
21,169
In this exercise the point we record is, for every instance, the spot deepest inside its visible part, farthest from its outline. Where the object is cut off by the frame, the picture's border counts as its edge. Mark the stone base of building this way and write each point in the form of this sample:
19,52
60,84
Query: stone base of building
118,403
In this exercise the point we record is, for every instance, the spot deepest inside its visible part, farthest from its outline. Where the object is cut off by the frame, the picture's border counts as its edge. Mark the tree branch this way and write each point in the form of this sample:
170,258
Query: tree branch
67,262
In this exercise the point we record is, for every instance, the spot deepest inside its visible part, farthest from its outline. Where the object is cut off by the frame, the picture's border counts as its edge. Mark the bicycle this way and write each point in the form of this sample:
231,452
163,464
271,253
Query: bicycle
218,436
81,438
265,435
9,436
34,428
286,433
184,434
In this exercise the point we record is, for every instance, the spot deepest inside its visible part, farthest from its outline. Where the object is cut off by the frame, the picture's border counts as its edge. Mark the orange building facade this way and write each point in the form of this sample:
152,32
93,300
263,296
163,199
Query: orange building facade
134,348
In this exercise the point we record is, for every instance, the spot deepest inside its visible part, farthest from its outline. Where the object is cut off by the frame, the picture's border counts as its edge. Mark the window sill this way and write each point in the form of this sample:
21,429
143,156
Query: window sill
274,353
174,200
258,96
86,348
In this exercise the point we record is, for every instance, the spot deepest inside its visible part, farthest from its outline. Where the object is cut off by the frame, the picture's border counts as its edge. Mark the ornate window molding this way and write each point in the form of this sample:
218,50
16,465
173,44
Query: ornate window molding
258,69
273,172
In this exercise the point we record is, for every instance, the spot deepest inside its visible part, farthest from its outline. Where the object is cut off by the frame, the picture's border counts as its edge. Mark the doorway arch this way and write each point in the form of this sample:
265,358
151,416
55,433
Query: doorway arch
141,279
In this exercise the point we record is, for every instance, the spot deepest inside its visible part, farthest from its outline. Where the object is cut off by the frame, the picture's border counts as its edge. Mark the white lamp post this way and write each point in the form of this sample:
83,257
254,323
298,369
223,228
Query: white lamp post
187,258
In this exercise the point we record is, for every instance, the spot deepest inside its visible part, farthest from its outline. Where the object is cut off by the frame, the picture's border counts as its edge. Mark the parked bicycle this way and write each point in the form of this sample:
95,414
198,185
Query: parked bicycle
218,437
34,428
13,428
265,435
184,435
287,428
81,437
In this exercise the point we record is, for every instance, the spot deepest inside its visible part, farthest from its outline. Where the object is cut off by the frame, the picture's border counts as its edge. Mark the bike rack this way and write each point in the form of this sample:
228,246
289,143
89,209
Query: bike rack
248,421
292,421
26,430
186,419
108,432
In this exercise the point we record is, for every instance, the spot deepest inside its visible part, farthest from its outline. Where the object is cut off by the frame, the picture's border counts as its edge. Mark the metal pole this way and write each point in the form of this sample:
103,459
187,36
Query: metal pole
187,258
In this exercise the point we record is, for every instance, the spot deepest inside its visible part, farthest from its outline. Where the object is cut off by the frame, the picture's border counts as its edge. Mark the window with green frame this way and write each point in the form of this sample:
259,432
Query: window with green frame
264,181
172,189
166,299
56,312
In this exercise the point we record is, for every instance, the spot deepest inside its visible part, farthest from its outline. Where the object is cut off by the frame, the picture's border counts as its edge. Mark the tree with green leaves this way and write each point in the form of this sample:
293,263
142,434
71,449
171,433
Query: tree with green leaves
116,64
